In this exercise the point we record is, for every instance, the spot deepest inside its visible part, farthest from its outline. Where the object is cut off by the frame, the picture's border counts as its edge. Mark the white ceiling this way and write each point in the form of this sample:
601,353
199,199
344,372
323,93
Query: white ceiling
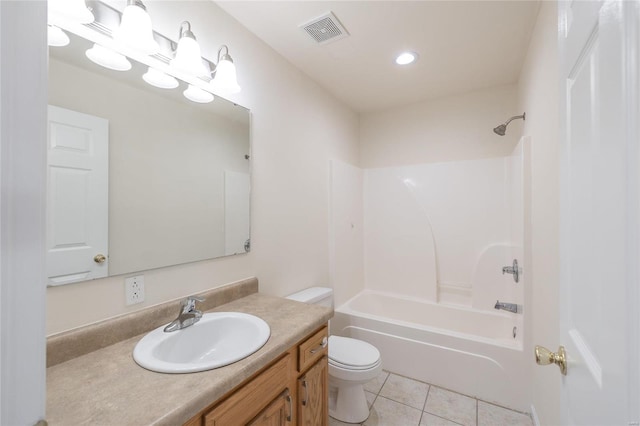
463,45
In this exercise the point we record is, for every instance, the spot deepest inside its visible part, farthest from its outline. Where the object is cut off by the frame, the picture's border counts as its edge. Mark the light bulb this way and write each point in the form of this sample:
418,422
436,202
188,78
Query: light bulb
225,79
188,58
405,58
196,94
108,58
159,79
135,29
72,10
56,37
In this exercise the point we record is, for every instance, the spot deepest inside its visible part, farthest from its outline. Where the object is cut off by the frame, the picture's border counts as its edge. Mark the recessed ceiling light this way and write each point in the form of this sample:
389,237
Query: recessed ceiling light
405,58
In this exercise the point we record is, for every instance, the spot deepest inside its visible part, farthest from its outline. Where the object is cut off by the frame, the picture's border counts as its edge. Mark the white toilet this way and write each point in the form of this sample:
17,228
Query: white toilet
352,363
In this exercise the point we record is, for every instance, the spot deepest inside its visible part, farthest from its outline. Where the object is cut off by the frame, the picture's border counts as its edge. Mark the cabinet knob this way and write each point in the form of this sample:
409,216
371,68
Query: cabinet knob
99,258
321,346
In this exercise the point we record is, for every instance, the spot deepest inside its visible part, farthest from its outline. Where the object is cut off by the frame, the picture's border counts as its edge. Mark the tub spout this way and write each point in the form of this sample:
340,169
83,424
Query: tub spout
511,307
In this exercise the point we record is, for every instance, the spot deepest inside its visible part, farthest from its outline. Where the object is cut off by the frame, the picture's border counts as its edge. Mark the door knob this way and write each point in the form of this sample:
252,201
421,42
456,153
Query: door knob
545,357
99,258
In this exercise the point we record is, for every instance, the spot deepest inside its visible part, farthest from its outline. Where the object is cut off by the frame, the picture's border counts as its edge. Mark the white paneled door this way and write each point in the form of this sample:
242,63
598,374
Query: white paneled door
599,212
77,197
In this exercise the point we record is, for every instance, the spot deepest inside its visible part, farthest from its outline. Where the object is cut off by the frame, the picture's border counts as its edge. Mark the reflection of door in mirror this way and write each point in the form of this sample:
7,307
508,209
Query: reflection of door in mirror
236,212
77,196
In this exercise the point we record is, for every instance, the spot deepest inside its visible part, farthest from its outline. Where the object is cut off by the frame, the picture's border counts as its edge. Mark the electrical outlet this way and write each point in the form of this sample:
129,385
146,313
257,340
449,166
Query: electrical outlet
134,289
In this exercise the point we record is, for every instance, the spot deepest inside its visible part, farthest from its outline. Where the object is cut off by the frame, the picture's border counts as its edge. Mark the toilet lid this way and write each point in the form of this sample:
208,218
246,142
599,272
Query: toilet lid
352,353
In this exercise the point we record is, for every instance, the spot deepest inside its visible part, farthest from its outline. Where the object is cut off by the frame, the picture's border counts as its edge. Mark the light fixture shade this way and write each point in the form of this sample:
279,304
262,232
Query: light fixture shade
225,79
196,94
159,79
56,37
188,58
135,29
108,58
73,10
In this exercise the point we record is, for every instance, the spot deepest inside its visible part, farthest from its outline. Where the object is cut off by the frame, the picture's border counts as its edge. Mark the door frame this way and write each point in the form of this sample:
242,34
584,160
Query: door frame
23,141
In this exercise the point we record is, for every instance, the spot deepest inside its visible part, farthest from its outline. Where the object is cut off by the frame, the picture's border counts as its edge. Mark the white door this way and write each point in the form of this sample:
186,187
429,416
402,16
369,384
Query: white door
77,196
599,215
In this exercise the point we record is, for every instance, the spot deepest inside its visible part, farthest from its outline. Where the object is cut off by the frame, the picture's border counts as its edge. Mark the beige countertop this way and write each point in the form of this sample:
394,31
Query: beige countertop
107,387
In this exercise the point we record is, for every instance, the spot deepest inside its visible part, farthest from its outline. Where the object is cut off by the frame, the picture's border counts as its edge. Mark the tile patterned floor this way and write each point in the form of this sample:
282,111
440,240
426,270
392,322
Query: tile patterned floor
400,401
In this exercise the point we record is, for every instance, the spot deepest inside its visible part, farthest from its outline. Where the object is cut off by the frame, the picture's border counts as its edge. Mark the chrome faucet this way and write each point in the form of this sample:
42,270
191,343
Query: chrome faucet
514,269
188,316
511,307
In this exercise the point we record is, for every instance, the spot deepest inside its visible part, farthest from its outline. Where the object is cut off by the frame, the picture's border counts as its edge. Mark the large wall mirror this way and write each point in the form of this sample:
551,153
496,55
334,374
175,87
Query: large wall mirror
139,177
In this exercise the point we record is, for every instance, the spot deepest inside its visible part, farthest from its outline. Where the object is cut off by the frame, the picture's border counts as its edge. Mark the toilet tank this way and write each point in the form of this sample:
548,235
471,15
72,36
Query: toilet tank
322,296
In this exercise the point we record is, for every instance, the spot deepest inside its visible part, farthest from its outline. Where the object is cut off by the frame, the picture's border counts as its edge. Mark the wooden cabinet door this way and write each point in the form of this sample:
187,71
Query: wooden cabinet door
250,400
313,395
278,413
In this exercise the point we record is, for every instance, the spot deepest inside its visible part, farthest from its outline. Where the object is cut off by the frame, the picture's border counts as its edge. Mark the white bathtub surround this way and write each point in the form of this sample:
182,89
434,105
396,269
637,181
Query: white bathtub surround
463,349
439,407
443,231
437,231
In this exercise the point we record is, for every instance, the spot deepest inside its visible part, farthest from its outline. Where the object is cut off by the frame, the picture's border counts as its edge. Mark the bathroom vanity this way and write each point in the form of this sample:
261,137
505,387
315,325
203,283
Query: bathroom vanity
293,390
92,380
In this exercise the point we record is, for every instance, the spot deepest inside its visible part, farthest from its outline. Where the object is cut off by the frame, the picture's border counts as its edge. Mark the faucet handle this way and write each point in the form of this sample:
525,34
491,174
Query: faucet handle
189,304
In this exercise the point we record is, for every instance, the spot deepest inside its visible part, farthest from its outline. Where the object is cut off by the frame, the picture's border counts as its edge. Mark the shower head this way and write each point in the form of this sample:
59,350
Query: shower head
502,129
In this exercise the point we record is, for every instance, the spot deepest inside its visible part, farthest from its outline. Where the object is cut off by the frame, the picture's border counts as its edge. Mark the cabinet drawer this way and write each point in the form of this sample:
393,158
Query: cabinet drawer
248,401
313,349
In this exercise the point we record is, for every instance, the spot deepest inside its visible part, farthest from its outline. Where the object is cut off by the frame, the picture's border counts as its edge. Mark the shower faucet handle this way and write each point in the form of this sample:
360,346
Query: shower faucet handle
513,270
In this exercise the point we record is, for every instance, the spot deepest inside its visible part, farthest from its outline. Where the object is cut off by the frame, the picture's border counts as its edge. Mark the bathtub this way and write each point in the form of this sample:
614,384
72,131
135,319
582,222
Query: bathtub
469,351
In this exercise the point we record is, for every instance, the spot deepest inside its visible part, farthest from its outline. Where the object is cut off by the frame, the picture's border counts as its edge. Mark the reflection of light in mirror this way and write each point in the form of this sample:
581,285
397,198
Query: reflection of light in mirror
409,182
71,10
188,58
159,79
196,94
108,58
135,29
56,37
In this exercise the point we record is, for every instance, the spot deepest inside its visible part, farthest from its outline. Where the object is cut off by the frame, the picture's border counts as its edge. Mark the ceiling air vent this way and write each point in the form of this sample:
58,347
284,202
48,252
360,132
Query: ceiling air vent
325,28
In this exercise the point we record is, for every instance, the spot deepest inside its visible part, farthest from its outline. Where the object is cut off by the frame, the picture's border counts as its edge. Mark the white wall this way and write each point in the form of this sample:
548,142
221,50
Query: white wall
296,128
538,96
346,232
447,129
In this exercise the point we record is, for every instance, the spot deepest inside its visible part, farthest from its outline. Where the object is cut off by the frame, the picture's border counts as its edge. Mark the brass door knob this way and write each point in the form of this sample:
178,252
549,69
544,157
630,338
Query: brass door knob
99,258
545,357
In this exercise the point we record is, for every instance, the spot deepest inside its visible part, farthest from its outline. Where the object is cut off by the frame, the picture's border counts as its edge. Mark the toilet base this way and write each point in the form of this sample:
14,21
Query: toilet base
348,403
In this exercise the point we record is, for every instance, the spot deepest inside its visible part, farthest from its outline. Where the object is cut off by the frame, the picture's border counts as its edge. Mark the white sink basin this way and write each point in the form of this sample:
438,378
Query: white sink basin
218,339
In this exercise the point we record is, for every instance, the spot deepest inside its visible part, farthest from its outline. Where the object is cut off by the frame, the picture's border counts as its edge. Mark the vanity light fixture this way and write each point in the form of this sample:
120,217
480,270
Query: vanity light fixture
159,79
196,94
108,58
56,37
71,10
188,58
225,79
406,58
135,29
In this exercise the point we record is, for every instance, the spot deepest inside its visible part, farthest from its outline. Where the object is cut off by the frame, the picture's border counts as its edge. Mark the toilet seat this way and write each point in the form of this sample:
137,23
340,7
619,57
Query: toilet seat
352,354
